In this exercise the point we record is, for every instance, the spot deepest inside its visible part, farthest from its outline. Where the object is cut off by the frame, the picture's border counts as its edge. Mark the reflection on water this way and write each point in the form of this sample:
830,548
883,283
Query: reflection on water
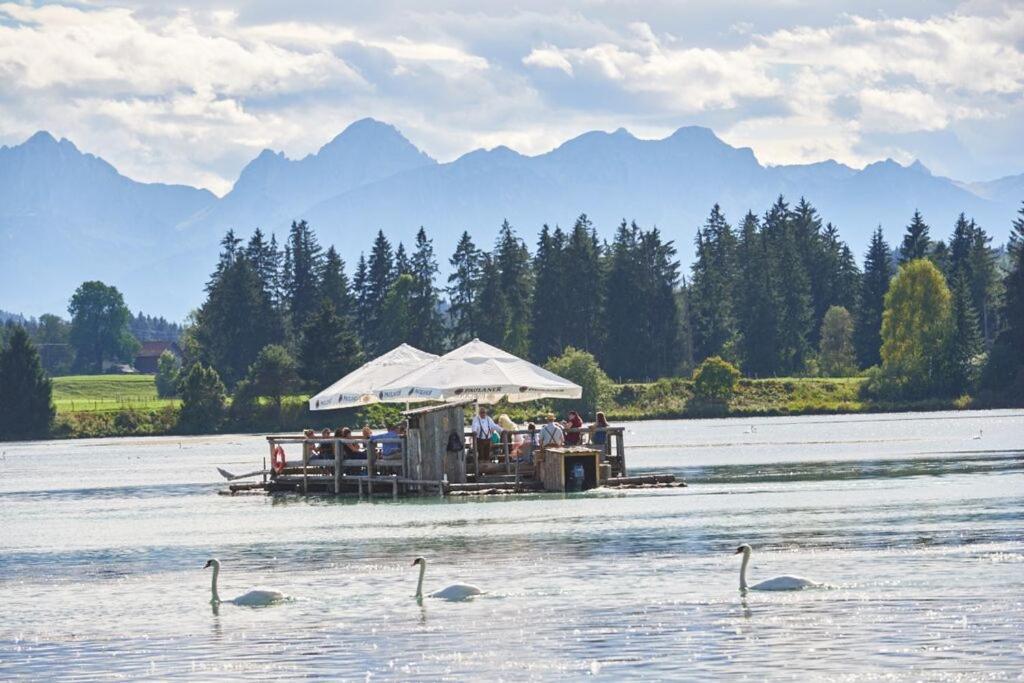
917,525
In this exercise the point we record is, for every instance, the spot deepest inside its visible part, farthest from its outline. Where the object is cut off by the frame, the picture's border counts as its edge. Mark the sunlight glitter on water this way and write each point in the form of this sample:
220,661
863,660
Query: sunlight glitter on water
916,524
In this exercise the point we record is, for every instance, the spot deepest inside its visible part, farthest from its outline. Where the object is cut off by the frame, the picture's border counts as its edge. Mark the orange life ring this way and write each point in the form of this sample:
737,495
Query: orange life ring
277,461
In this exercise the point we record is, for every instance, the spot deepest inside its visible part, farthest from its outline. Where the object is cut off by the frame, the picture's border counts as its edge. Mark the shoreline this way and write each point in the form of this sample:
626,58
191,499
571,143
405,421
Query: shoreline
667,399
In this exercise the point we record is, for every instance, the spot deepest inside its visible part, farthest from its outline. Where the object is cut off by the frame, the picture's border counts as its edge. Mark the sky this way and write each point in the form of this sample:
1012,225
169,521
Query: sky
190,92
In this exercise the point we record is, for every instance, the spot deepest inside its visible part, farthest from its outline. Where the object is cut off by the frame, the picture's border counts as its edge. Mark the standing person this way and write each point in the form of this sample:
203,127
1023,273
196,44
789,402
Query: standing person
599,431
551,433
575,422
483,428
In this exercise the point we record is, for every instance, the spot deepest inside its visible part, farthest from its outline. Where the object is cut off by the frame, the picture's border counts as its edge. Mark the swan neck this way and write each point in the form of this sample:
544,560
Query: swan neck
743,571
214,595
419,585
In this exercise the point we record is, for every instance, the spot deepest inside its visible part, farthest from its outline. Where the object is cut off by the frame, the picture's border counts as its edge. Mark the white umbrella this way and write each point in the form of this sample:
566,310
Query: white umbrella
481,372
362,386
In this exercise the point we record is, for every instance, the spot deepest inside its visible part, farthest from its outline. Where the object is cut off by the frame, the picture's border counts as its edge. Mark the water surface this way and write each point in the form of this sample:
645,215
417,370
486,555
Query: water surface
916,520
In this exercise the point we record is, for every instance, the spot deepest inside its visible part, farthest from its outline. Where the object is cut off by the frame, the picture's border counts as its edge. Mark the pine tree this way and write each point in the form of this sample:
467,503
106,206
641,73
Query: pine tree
791,290
329,348
463,289
660,322
842,275
26,393
818,264
302,281
229,250
965,341
622,299
547,336
916,243
878,272
581,289
512,259
237,319
265,260
379,276
403,266
428,333
490,304
756,312
397,310
334,285
712,317
361,295
1014,286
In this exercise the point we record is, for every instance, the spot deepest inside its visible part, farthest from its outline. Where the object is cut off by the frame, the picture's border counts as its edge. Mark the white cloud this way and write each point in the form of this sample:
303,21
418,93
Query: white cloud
190,95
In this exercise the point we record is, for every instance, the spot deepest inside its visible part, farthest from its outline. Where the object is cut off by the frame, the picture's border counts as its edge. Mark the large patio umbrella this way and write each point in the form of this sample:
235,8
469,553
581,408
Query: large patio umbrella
483,373
362,386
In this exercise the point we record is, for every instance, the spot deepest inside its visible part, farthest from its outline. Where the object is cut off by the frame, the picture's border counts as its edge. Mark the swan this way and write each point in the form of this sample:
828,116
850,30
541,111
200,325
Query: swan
978,435
456,591
778,583
258,597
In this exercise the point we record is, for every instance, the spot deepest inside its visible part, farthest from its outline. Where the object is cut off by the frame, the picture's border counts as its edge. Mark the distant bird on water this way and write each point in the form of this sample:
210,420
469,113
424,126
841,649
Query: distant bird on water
978,435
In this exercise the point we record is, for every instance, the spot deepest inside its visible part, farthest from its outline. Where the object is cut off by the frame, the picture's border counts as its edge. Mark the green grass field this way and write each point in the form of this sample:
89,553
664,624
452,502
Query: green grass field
106,393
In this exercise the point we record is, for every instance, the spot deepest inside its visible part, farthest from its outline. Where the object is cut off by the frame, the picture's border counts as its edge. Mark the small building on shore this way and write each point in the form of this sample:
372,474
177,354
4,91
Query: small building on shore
148,356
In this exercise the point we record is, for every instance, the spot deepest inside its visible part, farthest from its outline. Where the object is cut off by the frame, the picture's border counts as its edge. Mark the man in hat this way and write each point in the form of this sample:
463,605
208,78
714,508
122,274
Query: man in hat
551,433
483,427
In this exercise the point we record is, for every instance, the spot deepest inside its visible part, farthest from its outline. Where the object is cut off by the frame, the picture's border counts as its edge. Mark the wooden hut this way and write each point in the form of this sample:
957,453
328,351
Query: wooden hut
431,434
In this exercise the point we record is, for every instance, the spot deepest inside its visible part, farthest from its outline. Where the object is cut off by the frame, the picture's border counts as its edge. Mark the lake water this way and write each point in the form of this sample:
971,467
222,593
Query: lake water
915,523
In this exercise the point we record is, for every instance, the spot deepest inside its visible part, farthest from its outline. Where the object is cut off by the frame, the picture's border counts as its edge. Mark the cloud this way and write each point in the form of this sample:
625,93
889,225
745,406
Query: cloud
190,95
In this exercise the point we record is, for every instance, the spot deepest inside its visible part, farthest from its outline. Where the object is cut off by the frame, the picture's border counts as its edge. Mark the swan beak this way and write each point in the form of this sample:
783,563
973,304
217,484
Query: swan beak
739,551
415,562
207,565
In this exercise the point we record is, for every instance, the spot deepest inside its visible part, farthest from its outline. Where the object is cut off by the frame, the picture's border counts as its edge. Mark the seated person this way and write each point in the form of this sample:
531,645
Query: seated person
325,449
574,422
551,433
527,442
388,450
310,447
599,431
349,451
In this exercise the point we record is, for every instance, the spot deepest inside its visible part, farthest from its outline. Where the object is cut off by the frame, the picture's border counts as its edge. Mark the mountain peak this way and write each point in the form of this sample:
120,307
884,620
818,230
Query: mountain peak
919,167
41,137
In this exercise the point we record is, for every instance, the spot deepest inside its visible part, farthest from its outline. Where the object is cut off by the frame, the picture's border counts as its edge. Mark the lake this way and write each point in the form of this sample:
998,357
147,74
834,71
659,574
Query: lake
915,520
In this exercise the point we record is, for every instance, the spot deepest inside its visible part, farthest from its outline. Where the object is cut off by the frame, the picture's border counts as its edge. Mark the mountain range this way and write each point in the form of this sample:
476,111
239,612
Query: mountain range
68,216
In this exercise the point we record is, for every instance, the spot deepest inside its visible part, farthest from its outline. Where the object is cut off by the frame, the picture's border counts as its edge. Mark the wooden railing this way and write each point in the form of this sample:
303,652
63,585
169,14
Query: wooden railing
613,447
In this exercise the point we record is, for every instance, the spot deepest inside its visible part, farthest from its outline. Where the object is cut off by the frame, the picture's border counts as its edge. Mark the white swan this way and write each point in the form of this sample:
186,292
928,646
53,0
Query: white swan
778,583
978,435
258,597
456,591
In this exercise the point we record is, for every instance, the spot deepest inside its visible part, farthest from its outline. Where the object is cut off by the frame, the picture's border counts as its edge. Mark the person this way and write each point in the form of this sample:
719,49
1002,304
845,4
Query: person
524,451
599,431
350,451
575,422
388,449
325,449
309,448
551,433
483,427
508,436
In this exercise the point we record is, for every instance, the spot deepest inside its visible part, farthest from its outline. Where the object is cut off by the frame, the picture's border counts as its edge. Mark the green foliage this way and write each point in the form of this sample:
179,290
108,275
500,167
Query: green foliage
272,374
99,326
712,286
329,348
642,314
916,243
916,326
836,356
463,289
236,321
714,380
582,368
301,278
878,272
168,371
26,393
428,332
203,400
397,316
